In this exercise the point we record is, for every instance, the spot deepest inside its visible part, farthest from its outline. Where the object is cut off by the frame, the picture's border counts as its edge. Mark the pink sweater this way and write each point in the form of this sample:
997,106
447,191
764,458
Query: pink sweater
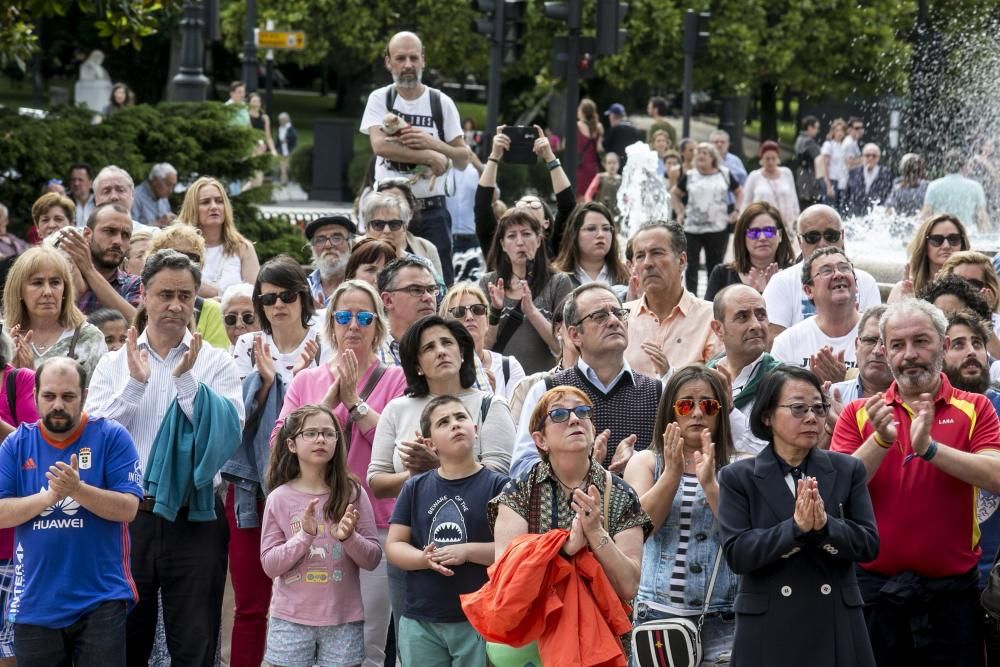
311,385
315,576
27,413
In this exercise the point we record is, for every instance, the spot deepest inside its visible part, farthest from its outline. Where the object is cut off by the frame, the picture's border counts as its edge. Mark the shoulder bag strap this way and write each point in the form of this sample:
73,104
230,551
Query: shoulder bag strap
513,317
10,386
373,379
608,483
72,343
711,589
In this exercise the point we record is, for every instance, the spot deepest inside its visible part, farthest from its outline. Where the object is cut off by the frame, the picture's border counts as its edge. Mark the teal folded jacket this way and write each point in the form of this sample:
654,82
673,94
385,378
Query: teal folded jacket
186,456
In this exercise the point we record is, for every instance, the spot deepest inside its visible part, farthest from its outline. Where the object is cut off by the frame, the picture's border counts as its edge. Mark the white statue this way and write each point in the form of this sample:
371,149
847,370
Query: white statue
92,68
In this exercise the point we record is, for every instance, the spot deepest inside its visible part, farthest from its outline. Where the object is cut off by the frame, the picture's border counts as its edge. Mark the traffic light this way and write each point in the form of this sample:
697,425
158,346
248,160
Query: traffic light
585,65
695,31
513,34
491,23
610,34
569,12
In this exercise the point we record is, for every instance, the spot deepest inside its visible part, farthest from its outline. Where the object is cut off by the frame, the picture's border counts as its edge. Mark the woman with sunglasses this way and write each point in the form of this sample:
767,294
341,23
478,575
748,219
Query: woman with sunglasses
977,270
761,248
523,292
467,303
568,489
677,486
794,521
356,388
386,216
590,251
937,238
237,312
553,226
288,339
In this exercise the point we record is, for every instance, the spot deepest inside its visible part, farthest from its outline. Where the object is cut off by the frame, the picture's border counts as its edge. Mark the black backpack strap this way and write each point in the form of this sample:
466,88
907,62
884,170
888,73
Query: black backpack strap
437,113
198,302
390,98
10,386
505,366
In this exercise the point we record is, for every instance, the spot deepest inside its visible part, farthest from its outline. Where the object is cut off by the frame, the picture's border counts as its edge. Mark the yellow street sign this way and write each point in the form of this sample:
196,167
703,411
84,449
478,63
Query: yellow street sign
272,39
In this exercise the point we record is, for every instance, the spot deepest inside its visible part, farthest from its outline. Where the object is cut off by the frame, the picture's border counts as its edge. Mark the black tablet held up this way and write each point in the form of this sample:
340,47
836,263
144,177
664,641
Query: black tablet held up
522,140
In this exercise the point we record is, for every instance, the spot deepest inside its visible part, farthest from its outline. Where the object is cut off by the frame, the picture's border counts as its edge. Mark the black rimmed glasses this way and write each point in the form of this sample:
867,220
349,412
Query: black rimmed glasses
380,225
332,239
314,434
458,312
232,318
599,317
417,291
828,235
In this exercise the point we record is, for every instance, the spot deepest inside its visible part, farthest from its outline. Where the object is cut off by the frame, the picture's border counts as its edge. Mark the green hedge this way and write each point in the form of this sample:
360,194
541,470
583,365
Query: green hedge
197,139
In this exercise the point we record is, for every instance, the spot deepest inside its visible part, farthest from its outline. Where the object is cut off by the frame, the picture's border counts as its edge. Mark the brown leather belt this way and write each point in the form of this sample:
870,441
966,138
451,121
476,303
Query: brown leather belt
147,504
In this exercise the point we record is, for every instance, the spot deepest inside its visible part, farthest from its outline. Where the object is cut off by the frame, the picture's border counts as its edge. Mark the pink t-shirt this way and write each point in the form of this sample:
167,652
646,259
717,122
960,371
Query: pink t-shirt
315,576
311,385
27,413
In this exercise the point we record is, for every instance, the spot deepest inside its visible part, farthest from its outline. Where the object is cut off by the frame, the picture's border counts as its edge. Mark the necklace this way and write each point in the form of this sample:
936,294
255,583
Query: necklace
565,485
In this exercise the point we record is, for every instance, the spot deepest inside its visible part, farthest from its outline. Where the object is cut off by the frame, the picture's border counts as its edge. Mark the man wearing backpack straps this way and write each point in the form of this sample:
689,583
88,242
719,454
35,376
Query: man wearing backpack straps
432,137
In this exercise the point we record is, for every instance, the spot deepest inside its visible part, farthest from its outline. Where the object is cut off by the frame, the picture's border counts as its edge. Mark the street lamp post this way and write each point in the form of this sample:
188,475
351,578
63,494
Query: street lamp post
250,47
190,83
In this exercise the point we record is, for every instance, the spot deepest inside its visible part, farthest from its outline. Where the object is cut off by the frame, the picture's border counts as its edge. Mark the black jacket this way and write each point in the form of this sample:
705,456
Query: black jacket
860,202
798,601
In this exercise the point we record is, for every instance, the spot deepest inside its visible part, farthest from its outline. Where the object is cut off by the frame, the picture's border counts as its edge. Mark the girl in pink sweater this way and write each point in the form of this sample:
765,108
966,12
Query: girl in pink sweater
318,530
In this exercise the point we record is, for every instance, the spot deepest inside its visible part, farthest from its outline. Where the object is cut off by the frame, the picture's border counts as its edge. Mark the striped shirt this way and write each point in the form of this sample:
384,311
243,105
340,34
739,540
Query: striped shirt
688,489
140,408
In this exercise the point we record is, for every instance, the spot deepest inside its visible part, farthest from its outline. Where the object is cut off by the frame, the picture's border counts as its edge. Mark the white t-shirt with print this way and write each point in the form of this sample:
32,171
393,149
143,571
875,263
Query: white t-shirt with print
787,303
796,344
418,114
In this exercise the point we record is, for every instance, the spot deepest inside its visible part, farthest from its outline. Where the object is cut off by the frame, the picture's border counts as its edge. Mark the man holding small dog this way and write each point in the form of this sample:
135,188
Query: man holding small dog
423,147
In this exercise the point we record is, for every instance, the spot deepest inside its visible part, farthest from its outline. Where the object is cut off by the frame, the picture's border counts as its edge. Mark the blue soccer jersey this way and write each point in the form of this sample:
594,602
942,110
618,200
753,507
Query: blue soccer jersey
67,560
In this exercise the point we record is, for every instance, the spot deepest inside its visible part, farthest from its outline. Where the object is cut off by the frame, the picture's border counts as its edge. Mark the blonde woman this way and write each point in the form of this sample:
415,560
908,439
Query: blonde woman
936,240
229,257
39,310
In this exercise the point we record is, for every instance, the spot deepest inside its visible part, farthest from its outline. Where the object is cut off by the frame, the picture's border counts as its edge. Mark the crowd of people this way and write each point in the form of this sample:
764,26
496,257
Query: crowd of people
390,461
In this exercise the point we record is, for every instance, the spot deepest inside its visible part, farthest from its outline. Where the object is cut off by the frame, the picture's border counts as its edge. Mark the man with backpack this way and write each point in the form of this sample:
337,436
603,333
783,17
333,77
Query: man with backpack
421,146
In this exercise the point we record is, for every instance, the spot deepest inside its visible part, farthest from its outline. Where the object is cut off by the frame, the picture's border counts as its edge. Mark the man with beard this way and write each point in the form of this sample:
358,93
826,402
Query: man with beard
740,320
624,401
430,141
330,242
69,484
97,255
928,446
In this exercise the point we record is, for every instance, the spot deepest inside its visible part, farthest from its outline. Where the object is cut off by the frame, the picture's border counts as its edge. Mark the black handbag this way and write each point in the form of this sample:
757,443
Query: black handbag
990,597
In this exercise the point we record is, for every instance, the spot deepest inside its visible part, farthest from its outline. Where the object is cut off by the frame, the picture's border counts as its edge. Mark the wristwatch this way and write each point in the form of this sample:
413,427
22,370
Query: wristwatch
358,411
553,164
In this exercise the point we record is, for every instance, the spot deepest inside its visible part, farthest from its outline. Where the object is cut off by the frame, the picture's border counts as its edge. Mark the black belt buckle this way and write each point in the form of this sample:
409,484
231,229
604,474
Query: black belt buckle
147,504
430,202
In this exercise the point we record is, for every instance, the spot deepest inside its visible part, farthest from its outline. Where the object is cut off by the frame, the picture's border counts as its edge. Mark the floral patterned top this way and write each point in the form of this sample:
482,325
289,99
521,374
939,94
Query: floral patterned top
88,348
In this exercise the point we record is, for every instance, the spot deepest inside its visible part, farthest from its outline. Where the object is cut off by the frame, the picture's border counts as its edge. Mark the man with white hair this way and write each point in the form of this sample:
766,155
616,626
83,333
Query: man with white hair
10,245
330,242
869,184
113,185
152,197
427,141
720,139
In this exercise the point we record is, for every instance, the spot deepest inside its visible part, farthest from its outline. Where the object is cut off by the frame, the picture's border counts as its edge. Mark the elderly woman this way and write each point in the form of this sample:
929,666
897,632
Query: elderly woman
761,248
706,213
775,185
186,240
287,342
238,314
386,215
568,489
467,303
229,257
794,520
677,486
40,312
51,212
937,238
590,251
368,257
357,388
523,292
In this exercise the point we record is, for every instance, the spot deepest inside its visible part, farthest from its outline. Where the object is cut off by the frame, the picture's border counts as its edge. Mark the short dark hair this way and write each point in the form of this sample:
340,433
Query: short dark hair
968,318
106,315
959,288
434,404
723,437
660,104
571,313
769,393
236,84
678,240
807,264
953,161
388,273
51,361
115,206
808,121
409,354
84,166
287,274
169,259
367,251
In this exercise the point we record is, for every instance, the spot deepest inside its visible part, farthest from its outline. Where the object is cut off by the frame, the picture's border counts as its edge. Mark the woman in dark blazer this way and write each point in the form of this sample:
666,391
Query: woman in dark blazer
794,521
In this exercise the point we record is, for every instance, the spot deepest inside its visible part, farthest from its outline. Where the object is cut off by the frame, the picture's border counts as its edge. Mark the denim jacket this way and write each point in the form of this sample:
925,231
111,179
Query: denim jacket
660,550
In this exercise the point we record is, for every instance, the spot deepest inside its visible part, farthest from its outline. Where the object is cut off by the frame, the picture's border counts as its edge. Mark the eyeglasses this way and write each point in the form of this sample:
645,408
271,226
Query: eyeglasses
754,233
937,240
559,415
684,406
379,225
344,317
828,235
799,410
828,270
458,312
529,203
333,239
288,296
417,291
193,256
232,318
601,316
313,434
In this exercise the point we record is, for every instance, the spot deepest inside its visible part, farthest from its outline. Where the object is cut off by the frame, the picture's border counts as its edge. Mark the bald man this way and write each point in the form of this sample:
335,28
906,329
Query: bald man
819,226
430,140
